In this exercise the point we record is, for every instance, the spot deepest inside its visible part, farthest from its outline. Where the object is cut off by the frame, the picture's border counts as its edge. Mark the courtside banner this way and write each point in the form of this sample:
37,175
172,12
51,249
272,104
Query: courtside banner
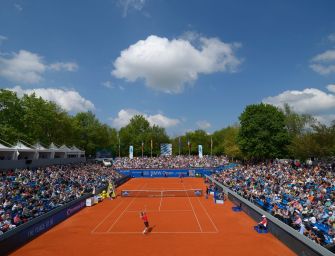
131,152
167,173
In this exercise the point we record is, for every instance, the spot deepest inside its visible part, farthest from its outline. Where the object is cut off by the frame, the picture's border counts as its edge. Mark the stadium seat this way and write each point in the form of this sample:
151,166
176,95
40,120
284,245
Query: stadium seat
260,231
236,208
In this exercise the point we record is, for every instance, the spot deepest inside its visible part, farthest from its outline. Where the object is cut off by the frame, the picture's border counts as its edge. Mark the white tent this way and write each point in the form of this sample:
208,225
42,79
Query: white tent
24,152
69,152
6,153
56,152
43,152
77,151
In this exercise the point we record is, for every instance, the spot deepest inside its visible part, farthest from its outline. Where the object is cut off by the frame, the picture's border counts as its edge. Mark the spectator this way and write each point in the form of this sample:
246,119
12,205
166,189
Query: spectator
26,194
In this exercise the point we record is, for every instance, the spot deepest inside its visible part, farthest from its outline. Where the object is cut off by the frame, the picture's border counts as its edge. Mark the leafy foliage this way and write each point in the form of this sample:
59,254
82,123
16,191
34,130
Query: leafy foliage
262,134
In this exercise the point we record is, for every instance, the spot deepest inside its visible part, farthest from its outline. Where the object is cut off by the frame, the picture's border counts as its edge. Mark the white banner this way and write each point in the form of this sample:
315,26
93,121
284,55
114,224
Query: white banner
200,151
131,152
166,149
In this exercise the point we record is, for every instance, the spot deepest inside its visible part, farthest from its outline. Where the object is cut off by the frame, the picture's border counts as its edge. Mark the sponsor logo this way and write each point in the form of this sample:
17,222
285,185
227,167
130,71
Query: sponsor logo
197,192
125,193
74,209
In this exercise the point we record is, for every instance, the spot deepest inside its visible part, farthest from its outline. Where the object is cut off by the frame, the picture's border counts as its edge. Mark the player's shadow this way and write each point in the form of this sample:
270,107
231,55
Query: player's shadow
151,228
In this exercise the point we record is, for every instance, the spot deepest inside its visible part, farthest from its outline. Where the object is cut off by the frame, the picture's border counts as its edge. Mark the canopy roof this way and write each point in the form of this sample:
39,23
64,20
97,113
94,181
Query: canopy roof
21,147
4,148
75,149
40,148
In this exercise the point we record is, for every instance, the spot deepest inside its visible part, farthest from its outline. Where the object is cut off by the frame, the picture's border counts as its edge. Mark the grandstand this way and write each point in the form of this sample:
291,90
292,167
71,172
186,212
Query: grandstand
175,207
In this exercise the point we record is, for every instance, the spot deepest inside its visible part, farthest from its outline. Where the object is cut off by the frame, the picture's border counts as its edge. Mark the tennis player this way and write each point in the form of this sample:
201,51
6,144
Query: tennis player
181,175
144,217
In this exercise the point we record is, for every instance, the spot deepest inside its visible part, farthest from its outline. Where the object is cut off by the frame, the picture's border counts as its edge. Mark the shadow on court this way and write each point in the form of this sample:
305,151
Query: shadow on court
150,229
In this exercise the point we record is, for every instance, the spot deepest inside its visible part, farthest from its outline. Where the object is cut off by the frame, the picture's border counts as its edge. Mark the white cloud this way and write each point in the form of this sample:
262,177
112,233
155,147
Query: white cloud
324,63
325,56
28,67
308,101
69,100
203,124
323,69
67,66
125,115
169,65
131,4
108,84
331,37
331,88
18,7
23,67
325,119
2,39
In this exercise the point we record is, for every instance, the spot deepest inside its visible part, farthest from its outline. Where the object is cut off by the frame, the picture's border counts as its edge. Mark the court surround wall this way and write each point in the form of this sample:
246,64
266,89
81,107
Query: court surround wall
21,235
297,242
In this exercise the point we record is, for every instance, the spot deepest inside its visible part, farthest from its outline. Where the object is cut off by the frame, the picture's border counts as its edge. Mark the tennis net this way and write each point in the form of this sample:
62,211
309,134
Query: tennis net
162,193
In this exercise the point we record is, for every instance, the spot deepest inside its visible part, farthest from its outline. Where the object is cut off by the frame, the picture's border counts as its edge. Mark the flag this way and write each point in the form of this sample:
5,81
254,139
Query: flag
200,151
151,144
131,152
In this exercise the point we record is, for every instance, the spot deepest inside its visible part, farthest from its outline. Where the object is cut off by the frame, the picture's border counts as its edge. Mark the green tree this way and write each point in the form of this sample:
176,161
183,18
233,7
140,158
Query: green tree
230,144
92,135
262,134
139,131
11,111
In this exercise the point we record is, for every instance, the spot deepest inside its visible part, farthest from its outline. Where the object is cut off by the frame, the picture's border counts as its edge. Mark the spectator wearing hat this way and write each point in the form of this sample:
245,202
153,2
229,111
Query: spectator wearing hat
262,225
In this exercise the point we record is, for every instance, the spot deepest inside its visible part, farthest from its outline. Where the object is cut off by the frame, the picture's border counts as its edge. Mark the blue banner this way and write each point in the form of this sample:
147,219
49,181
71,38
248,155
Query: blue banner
153,173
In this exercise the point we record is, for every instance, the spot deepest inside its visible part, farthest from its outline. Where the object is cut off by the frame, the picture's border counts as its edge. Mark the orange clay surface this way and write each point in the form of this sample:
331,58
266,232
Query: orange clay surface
185,226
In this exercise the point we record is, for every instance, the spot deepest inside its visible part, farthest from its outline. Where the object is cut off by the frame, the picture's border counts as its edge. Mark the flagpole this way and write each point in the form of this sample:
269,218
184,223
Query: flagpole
119,145
151,149
142,148
211,146
179,144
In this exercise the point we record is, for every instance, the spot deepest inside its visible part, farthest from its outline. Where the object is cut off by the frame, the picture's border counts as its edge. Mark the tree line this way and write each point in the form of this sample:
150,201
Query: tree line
263,132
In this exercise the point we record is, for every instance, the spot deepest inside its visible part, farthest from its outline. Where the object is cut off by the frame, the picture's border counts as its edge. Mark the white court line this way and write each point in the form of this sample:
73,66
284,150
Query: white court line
123,212
158,232
196,217
204,208
160,203
163,211
117,206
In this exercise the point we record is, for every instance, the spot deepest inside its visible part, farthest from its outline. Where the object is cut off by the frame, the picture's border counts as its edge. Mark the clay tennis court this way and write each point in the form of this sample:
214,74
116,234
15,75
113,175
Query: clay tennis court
179,226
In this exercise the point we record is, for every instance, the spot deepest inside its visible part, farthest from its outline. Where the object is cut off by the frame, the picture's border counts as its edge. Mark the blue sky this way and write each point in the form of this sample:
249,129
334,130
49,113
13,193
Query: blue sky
183,64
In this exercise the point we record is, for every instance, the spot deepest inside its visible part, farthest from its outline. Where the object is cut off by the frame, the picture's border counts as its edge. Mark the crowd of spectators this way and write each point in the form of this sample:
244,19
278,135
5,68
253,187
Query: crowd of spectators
26,194
169,162
302,196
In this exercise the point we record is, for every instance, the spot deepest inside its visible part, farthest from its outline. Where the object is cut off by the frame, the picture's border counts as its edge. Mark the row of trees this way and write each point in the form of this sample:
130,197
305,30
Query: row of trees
264,132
